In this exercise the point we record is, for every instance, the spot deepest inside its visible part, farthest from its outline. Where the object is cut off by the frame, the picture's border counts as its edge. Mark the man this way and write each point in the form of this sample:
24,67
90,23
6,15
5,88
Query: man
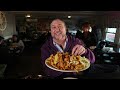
61,41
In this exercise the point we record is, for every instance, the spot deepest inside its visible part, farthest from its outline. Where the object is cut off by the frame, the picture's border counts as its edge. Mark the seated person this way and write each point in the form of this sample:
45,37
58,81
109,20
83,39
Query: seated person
17,43
87,36
62,41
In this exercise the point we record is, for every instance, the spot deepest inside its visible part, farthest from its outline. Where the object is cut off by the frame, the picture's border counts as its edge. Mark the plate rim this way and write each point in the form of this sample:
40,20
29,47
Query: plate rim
67,70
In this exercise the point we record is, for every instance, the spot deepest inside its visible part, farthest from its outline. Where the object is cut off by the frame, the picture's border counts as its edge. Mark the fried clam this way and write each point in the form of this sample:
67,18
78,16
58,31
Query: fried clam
50,60
67,63
60,62
76,63
79,67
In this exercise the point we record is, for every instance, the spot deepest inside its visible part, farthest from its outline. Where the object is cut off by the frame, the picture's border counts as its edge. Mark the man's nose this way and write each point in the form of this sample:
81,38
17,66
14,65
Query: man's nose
58,29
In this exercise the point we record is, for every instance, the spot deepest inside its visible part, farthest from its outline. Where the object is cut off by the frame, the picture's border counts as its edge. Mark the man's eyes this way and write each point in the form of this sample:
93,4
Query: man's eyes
60,27
53,27
57,27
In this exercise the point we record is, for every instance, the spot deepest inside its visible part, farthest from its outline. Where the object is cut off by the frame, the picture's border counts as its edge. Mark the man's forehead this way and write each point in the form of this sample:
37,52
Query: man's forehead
57,21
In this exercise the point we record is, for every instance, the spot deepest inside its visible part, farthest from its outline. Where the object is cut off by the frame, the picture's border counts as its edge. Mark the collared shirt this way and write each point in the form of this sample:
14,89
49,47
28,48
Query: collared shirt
58,46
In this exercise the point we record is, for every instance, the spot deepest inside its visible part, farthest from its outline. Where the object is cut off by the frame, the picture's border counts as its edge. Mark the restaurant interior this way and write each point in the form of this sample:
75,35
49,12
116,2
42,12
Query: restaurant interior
33,28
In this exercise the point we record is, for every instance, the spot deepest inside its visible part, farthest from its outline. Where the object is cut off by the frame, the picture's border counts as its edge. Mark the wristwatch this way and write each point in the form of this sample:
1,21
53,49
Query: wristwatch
3,21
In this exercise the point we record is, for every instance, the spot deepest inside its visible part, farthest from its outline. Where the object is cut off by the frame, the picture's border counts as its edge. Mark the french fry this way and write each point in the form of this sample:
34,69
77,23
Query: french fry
56,59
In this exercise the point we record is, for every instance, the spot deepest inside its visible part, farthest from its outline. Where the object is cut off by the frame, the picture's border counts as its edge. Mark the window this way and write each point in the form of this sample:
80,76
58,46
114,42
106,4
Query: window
110,34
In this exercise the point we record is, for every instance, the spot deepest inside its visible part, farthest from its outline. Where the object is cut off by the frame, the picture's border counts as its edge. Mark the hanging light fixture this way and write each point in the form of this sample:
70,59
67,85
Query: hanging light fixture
69,16
28,15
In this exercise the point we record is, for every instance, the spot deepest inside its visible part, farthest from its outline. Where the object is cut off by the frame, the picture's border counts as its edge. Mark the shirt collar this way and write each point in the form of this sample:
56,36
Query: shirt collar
58,46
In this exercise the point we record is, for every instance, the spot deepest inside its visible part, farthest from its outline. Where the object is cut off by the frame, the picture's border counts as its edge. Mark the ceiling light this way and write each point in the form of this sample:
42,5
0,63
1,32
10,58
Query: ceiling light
28,15
69,16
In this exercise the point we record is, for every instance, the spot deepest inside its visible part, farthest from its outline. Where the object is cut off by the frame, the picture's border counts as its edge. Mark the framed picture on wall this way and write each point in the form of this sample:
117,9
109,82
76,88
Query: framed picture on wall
3,21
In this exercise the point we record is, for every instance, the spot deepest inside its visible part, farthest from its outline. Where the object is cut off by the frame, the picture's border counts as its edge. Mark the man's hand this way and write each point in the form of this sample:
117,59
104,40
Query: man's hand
78,50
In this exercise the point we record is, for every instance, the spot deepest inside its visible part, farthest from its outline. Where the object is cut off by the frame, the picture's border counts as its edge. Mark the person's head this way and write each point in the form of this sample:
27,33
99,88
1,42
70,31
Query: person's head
58,29
15,38
86,27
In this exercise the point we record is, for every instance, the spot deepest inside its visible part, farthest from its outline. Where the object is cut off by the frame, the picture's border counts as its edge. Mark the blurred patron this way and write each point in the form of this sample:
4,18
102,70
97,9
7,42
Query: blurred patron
87,36
16,44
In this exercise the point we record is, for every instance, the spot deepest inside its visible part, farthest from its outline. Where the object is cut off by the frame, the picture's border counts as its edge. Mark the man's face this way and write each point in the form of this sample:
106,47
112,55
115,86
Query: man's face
58,29
86,28
15,38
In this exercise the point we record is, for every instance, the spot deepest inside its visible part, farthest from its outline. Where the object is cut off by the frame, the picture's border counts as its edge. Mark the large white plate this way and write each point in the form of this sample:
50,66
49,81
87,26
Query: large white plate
87,65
